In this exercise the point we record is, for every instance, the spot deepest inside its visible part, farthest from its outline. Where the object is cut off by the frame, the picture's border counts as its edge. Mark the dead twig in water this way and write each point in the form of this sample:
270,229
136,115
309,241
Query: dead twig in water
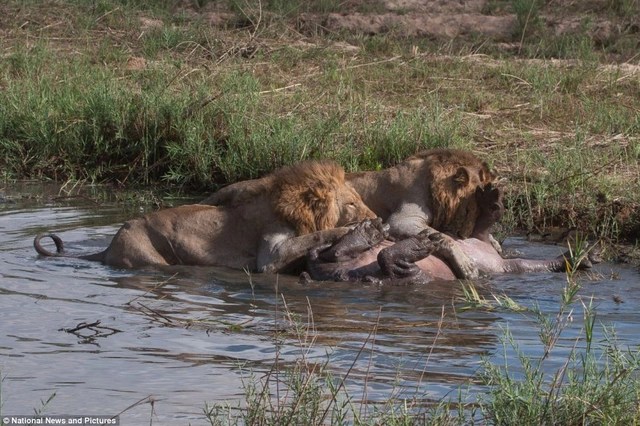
93,326
154,313
155,287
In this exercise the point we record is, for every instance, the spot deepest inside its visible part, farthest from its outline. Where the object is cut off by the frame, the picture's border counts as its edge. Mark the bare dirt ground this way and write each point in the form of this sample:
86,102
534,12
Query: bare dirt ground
467,20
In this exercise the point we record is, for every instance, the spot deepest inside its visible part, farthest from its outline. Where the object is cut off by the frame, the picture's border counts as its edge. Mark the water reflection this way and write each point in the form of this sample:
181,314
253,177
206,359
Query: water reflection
188,334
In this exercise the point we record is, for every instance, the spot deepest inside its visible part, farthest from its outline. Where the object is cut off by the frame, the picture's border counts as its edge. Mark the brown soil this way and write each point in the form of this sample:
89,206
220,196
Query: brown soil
475,20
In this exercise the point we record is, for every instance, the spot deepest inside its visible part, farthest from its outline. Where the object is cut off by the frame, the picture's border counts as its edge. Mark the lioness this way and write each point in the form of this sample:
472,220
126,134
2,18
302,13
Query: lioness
432,190
305,205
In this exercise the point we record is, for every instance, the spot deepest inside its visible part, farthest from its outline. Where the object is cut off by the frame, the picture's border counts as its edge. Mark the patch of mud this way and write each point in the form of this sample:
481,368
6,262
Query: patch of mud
494,20
439,25
413,18
436,6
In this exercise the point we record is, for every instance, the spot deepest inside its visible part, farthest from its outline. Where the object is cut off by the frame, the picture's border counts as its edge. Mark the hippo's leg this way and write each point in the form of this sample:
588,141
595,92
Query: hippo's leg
398,261
446,248
365,235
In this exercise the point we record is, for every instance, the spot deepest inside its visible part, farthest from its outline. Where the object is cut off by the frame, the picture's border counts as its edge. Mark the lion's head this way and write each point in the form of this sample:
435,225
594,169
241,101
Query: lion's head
454,176
313,196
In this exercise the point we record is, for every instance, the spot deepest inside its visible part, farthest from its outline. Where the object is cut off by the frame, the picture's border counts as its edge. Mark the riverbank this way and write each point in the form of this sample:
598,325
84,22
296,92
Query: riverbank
200,94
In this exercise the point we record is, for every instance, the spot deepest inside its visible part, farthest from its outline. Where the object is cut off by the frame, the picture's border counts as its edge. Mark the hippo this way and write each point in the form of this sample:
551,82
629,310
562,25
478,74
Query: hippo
366,253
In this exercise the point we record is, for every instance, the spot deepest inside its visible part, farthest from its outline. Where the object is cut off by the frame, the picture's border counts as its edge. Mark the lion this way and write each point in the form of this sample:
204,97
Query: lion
432,190
306,204
365,253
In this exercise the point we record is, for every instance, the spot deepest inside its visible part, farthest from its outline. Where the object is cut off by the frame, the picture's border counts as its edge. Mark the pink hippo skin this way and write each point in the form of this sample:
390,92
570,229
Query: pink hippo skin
365,253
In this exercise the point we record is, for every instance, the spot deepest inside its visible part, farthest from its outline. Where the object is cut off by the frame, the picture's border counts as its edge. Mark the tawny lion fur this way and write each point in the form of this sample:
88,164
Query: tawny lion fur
445,179
310,200
304,205
432,189
454,176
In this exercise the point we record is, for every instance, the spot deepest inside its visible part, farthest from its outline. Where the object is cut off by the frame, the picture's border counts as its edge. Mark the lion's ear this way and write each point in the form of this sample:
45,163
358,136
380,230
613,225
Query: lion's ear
462,177
486,175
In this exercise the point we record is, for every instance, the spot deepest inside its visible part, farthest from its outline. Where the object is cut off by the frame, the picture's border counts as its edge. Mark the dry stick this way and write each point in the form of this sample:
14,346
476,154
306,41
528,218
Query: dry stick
312,322
559,378
292,321
359,65
522,80
563,370
277,364
81,326
310,374
157,286
76,197
435,339
280,89
193,108
524,30
167,319
98,19
617,377
75,184
256,26
152,403
265,392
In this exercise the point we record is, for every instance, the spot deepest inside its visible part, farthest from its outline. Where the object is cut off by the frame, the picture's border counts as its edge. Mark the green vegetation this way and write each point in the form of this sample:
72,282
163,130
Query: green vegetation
149,93
138,93
598,382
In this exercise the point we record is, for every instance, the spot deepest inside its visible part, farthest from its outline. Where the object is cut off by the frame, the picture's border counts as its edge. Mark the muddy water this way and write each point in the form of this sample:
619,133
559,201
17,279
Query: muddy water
183,336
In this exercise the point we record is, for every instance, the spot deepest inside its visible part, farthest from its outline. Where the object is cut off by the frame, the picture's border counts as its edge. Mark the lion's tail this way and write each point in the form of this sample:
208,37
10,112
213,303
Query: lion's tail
60,249
43,251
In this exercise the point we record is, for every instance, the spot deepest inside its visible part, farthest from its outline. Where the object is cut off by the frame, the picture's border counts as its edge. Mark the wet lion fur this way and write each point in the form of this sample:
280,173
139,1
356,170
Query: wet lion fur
273,226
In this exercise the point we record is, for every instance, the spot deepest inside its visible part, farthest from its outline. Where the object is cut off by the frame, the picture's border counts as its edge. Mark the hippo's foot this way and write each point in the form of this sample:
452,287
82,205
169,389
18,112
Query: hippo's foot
398,261
365,235
489,199
447,249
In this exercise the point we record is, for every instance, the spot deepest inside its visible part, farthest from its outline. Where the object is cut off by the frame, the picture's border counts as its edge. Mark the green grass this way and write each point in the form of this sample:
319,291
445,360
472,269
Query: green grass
129,94
597,384
598,381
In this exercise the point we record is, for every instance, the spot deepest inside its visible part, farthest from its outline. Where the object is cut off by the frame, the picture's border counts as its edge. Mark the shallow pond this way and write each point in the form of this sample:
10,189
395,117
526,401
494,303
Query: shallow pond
185,336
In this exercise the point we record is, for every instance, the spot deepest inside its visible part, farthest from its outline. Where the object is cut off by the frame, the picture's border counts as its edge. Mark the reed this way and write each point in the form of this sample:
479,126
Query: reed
598,382
135,94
